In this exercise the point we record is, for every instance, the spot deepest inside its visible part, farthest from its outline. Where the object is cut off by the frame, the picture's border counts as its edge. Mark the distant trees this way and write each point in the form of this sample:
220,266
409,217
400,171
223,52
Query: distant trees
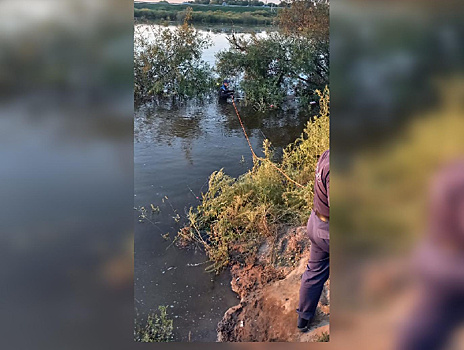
230,2
245,2
219,15
211,13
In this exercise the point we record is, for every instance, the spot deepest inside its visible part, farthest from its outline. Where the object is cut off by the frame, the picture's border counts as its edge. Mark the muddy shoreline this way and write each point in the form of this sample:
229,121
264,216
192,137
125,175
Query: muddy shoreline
268,291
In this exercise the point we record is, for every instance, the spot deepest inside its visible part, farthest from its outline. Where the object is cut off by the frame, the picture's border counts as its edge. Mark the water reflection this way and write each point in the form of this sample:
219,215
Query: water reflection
166,123
176,148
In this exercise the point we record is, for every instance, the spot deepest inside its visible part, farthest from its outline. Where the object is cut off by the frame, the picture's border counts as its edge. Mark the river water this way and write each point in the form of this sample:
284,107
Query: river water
176,148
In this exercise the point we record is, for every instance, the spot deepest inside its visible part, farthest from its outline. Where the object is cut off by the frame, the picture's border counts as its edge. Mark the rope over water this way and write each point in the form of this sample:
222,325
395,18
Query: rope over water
259,158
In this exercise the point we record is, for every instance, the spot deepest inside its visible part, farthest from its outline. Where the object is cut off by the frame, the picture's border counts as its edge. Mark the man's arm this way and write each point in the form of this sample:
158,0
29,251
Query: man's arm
227,93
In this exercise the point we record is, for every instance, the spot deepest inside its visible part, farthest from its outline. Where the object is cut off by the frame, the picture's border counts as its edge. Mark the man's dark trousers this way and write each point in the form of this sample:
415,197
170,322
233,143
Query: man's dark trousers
317,270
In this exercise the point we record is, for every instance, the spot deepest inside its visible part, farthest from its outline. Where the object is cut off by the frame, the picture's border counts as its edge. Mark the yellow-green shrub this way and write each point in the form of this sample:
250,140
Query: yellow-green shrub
236,215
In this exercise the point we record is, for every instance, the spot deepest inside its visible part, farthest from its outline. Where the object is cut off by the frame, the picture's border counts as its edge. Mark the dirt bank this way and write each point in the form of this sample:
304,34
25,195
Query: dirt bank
269,295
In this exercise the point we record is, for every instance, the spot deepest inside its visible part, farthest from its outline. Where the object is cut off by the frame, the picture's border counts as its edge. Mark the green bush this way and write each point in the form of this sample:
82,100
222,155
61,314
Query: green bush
156,328
235,215
168,62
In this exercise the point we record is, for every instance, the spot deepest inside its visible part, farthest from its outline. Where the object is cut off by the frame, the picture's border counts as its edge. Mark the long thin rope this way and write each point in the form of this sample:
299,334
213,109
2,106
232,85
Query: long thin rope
259,158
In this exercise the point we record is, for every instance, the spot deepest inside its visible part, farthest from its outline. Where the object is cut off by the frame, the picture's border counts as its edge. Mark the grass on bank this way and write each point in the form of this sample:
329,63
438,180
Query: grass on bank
324,337
155,329
236,215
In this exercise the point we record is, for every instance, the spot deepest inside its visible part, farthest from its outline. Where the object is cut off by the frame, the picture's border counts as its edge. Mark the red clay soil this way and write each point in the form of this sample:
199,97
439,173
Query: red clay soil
269,295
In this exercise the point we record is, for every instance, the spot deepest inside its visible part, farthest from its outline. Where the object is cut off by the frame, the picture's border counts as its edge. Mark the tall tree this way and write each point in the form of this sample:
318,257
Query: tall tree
293,61
168,62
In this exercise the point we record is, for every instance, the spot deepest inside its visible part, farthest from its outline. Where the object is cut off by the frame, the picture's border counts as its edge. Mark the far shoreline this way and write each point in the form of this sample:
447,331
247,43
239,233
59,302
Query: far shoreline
214,27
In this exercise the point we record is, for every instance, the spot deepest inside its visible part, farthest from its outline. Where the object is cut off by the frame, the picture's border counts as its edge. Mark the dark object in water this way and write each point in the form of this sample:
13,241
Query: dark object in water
225,92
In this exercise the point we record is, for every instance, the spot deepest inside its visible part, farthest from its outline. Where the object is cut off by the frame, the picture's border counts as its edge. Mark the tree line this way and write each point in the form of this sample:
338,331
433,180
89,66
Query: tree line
288,64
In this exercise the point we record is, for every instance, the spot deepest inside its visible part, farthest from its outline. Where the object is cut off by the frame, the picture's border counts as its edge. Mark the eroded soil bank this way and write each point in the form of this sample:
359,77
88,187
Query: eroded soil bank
269,294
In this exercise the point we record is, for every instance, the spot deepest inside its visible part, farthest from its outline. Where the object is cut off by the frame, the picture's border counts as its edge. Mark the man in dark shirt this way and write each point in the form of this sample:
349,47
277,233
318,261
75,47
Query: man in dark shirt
224,91
317,270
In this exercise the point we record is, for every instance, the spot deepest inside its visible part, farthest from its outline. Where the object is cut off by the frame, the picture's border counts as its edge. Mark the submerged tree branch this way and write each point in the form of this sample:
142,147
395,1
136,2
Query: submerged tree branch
235,42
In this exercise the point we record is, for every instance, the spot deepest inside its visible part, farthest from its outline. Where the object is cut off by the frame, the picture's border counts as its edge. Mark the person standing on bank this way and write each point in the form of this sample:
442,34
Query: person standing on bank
317,270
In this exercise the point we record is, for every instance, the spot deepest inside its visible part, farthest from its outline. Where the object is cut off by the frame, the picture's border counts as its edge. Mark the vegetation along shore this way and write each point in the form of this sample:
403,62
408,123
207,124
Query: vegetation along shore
205,13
